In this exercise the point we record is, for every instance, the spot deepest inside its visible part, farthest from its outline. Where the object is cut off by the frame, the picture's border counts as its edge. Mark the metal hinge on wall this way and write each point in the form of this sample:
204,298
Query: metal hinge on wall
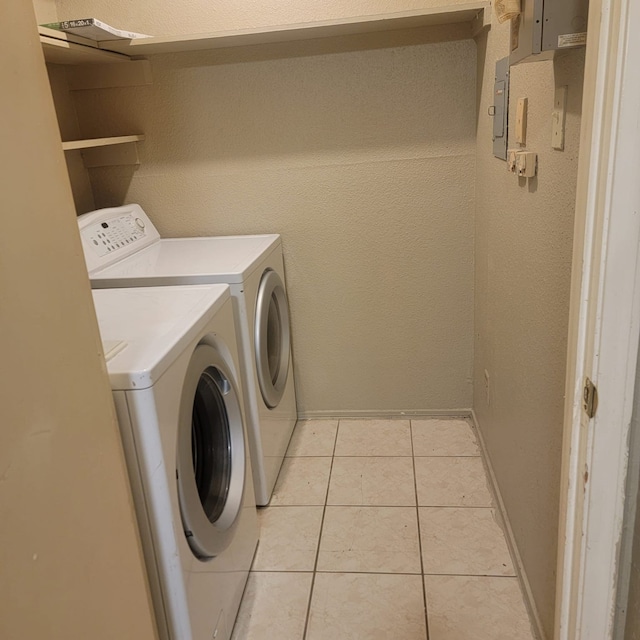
590,398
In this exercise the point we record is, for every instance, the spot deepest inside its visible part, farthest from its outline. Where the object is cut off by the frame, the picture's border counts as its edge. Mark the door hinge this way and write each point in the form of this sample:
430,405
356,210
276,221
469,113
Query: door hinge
590,398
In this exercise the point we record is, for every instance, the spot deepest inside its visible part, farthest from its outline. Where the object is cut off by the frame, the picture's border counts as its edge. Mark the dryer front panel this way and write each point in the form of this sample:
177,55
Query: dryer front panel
272,338
211,454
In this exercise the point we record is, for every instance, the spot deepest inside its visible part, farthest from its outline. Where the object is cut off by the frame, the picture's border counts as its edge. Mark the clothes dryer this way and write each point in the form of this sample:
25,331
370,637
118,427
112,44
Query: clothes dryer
174,370
123,249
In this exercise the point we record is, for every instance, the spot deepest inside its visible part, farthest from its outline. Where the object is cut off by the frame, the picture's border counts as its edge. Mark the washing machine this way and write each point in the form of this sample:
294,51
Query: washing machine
174,369
123,249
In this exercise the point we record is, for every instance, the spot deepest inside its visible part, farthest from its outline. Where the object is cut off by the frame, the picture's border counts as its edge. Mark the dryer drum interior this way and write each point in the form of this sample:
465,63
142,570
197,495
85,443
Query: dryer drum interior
272,338
211,454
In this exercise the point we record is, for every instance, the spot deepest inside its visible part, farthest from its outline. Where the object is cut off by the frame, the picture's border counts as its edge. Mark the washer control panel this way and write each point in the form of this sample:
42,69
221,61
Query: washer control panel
110,235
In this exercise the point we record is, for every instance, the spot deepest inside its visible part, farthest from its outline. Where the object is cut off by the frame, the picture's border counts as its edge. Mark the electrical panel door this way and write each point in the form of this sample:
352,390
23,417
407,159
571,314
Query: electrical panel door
547,26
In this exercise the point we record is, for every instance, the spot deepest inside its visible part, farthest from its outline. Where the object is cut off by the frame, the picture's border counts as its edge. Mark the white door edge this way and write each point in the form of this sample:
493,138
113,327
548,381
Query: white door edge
604,325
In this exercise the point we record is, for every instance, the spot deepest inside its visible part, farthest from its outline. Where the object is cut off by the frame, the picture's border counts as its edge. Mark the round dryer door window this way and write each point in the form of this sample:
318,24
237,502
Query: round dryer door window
272,338
211,454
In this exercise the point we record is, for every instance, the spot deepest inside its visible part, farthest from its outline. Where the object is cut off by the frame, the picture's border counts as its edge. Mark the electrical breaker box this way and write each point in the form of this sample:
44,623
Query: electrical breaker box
547,26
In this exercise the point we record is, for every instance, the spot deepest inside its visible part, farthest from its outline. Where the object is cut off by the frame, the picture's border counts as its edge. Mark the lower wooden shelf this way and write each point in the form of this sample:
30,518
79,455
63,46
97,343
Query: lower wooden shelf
106,152
92,143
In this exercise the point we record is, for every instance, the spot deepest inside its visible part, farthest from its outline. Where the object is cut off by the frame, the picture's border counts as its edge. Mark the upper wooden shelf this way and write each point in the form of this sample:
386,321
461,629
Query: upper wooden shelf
63,48
475,14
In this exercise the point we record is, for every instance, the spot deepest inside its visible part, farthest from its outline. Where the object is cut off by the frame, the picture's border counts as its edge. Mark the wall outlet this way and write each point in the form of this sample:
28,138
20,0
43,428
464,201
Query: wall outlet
487,388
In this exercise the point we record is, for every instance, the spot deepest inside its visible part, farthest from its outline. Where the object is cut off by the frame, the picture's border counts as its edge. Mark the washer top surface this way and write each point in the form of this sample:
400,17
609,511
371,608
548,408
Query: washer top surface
143,330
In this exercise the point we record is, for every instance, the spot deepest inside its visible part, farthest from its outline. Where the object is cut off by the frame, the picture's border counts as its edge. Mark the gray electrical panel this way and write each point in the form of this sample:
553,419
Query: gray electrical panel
500,109
547,26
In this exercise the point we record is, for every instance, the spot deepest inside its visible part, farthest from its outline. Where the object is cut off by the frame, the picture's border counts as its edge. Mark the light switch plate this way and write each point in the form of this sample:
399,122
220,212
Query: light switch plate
559,118
521,121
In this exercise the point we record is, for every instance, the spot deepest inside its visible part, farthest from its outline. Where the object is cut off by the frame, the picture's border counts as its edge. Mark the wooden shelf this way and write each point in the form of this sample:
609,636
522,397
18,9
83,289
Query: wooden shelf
107,152
475,14
100,142
62,48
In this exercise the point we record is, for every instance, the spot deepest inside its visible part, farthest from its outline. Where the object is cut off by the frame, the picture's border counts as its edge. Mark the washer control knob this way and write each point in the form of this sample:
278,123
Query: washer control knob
140,223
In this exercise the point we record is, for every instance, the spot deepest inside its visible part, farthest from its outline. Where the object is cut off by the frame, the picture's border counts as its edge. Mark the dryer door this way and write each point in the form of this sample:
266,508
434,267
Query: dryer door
211,454
272,338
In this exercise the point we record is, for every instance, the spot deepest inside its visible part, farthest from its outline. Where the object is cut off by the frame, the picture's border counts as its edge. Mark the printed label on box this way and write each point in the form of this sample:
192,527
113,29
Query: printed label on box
572,40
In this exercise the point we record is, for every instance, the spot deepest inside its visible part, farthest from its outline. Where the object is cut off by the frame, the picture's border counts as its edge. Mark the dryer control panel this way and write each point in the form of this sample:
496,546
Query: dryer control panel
110,235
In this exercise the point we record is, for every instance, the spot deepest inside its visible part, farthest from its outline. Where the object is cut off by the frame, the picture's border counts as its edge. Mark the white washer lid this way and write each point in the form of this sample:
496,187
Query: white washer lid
178,261
149,327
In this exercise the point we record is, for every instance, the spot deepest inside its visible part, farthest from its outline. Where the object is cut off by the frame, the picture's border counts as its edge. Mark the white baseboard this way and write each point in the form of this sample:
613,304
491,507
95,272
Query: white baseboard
511,541
389,414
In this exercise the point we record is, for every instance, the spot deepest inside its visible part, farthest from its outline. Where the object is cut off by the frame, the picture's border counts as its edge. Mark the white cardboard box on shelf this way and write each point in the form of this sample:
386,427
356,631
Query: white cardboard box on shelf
94,29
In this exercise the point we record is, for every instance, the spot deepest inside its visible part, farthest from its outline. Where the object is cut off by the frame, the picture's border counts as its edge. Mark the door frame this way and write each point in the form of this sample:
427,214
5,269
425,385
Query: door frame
604,326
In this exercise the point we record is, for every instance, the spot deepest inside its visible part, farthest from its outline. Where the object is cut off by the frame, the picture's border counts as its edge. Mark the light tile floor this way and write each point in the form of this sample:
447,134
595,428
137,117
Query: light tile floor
381,529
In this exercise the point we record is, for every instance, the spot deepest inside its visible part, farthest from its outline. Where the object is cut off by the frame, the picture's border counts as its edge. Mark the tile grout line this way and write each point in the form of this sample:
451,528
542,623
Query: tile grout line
415,486
394,573
398,506
471,575
377,455
390,573
324,511
440,457
454,506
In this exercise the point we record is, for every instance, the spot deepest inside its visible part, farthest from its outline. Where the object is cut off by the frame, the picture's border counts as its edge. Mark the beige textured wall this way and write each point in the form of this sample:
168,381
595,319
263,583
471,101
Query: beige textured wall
198,16
69,553
632,528
69,130
46,11
364,161
523,263
633,609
